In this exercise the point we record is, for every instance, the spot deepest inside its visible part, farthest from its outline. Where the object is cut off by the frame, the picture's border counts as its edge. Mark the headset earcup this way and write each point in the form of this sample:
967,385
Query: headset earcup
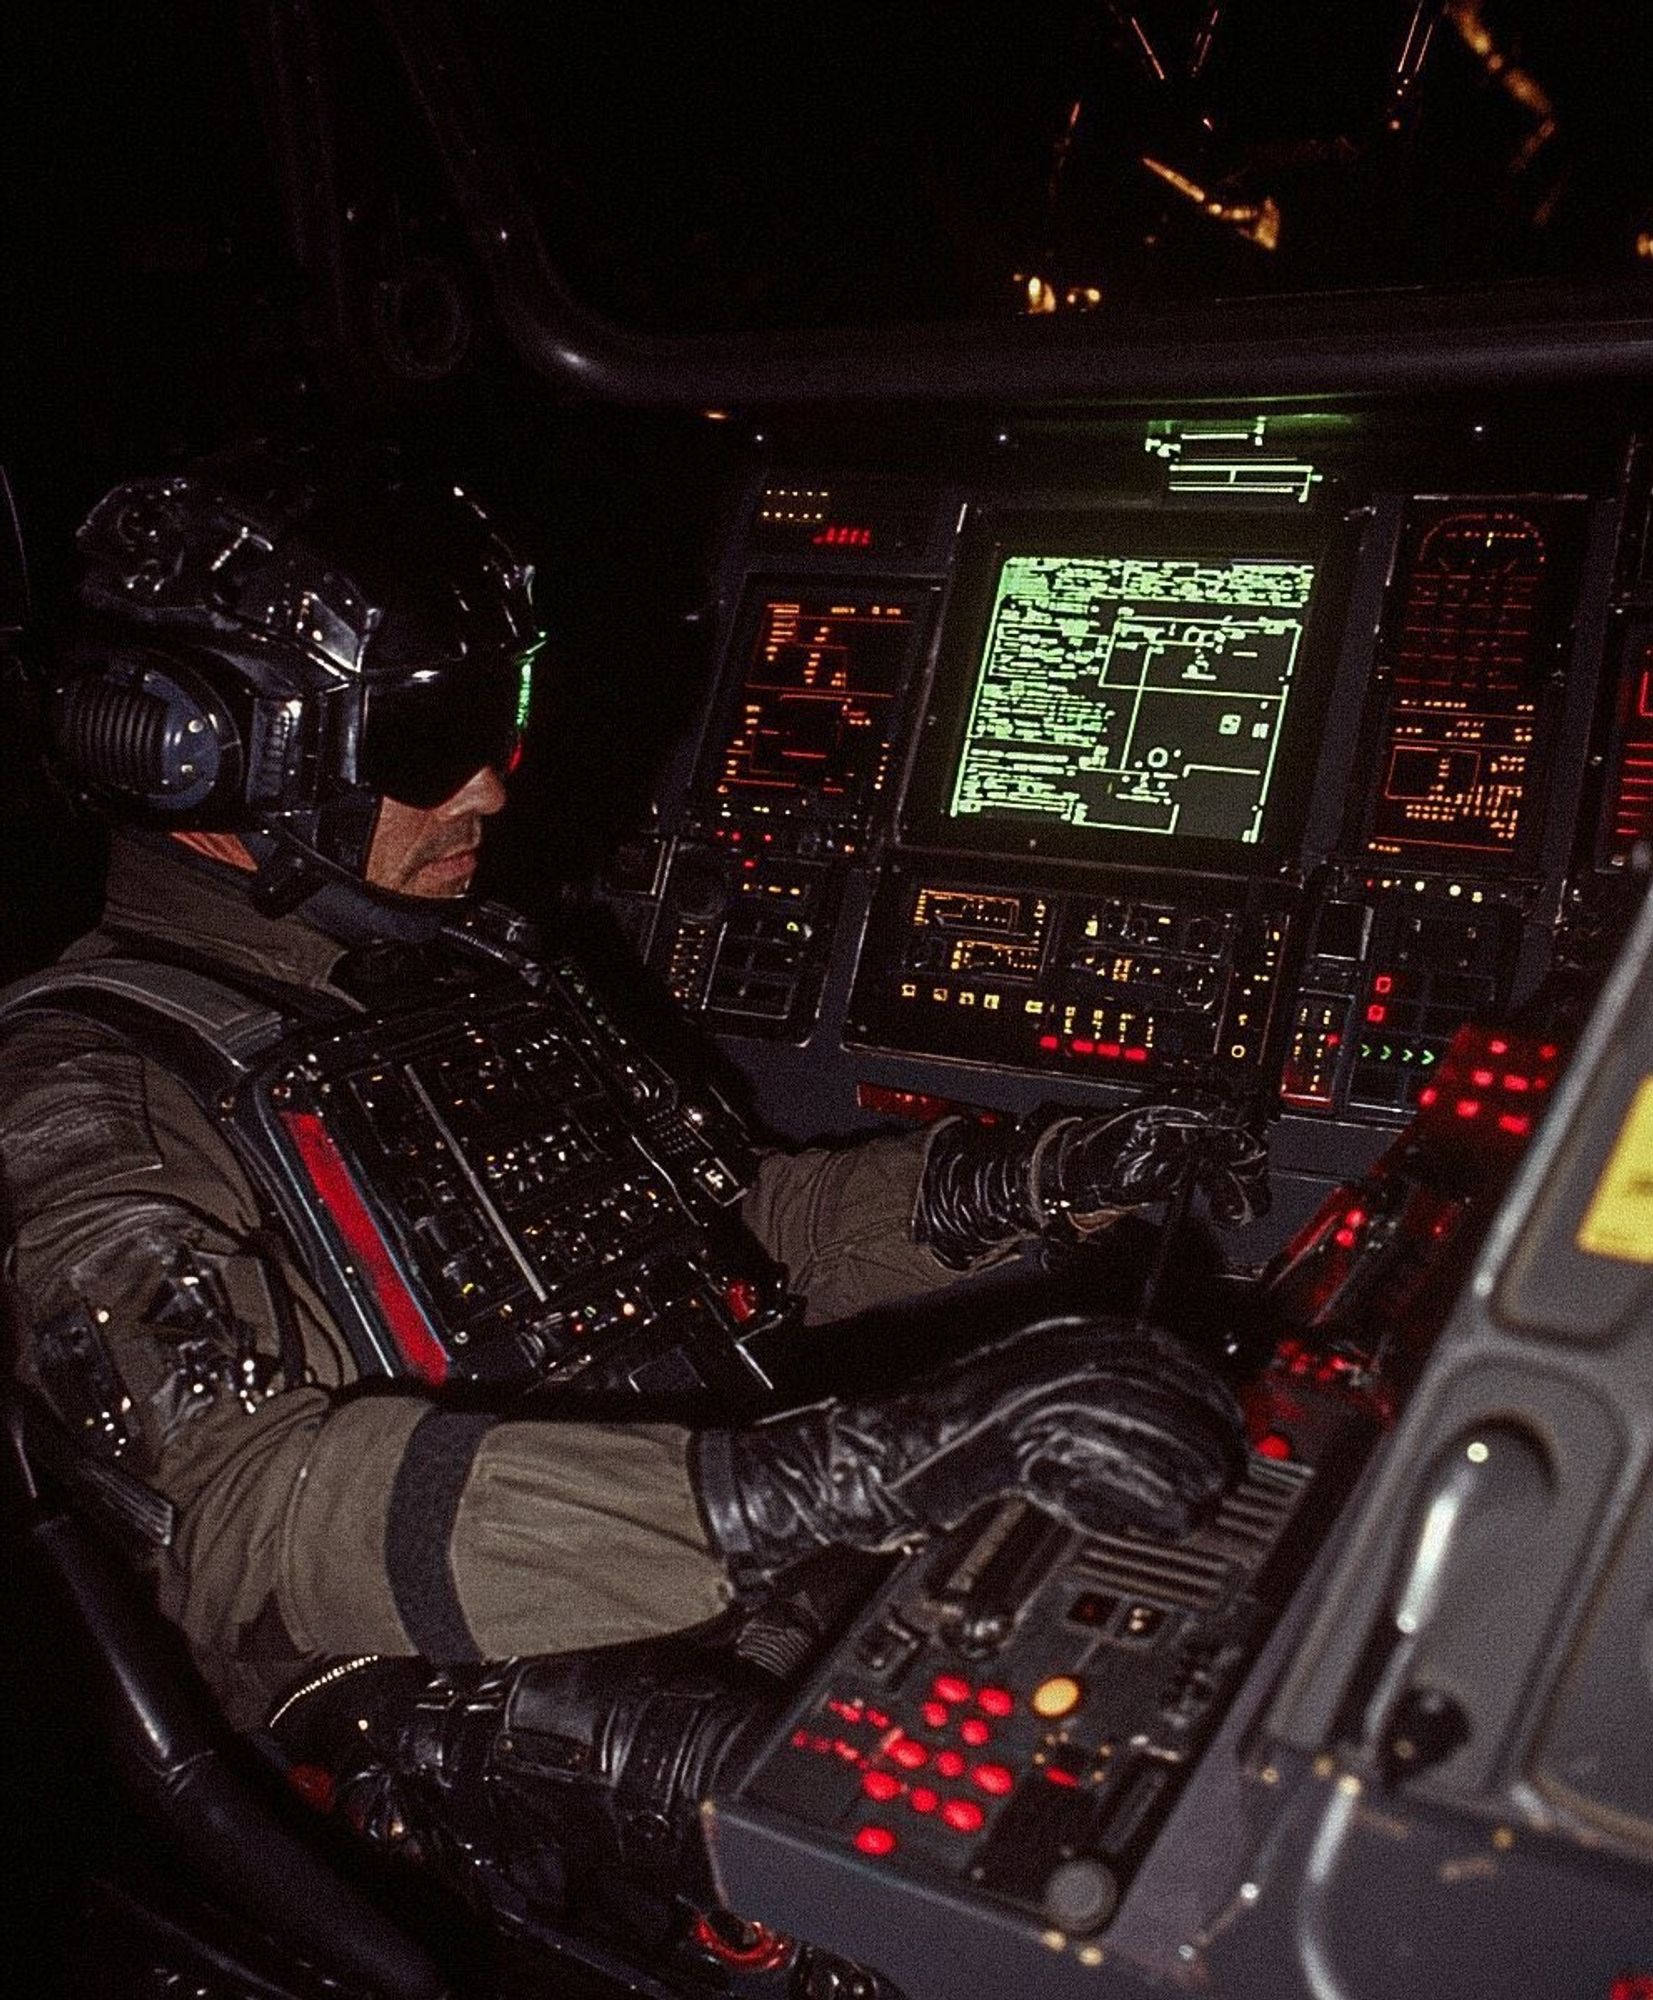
153,733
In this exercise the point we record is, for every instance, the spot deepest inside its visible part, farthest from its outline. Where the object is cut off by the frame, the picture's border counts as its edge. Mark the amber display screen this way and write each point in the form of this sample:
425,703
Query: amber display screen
810,731
1470,660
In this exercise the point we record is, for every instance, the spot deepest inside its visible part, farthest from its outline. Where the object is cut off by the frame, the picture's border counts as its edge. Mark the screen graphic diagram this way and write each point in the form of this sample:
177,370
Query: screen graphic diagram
1144,695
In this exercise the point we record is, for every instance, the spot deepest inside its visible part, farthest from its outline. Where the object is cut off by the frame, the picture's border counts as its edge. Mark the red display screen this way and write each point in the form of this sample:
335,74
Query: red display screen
810,732
1478,616
1630,795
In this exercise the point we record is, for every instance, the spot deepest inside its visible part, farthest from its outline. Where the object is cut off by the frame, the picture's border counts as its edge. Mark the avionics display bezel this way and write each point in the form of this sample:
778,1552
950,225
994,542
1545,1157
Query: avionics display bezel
1001,535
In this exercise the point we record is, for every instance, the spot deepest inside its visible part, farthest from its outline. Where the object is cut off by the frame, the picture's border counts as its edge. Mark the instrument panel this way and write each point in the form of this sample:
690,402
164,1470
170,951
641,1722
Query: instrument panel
1054,787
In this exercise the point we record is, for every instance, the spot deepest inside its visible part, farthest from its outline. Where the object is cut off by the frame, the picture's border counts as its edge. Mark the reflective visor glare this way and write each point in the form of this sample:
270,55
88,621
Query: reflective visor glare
422,741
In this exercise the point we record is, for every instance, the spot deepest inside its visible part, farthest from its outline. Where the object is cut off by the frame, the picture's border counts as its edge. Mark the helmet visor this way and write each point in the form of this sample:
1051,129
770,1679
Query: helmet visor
425,737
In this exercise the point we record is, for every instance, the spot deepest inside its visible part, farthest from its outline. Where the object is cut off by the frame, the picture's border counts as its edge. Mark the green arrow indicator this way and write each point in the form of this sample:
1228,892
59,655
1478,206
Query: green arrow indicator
1365,1052
1388,1053
1428,1056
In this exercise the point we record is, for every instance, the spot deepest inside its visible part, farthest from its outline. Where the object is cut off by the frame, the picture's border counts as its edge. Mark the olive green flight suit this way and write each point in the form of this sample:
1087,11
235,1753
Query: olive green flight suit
566,1534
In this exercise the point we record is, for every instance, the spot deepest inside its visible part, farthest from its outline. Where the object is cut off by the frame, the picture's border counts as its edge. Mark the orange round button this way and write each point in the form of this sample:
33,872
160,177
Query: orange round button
1058,1696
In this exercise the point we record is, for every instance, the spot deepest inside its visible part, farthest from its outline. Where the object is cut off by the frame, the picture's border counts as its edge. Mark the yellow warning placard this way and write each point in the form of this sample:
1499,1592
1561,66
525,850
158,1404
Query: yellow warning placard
1619,1221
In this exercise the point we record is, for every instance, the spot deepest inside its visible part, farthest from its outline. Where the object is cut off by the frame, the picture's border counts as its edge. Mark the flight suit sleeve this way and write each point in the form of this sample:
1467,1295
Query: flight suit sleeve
366,1521
840,1220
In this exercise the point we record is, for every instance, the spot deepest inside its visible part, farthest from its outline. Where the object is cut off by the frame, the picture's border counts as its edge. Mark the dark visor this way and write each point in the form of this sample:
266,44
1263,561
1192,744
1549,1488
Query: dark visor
423,739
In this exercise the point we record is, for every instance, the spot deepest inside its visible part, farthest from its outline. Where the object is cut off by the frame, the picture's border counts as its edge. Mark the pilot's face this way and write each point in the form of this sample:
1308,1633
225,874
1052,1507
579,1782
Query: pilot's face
432,850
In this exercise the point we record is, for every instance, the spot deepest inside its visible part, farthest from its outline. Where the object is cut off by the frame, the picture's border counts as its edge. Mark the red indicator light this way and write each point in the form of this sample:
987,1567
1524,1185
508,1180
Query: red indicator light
881,1785
923,1800
1111,1050
975,1732
1428,1095
963,1815
996,1701
847,1751
754,1949
839,535
1632,1986
1275,1445
314,1785
993,1779
800,1739
950,1764
1050,1041
875,1840
1547,1053
1482,1079
935,1714
1055,1777
1384,983
1354,1218
1376,1012
1345,1239
916,1105
909,1755
1512,1121
1136,1055
1081,1048
949,1687
1496,1048
878,1718
741,1297
1468,1107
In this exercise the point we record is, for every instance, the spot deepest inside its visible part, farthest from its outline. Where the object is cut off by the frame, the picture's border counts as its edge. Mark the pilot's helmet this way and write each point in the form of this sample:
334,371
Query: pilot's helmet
273,641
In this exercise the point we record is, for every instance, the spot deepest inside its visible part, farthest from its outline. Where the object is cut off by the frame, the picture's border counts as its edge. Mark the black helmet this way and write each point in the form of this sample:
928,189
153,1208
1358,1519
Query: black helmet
273,641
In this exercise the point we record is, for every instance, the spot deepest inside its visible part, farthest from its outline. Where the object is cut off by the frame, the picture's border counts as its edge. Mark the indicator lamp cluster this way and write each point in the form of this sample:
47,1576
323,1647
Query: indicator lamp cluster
901,1769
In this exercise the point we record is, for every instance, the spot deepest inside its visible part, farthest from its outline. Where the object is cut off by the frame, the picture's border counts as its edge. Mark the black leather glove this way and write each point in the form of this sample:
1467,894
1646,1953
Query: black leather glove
984,1185
1101,1423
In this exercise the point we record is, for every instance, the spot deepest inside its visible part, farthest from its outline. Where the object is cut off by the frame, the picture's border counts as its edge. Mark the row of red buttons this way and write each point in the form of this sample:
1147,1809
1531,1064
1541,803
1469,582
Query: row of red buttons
962,1815
972,1729
994,1779
990,1700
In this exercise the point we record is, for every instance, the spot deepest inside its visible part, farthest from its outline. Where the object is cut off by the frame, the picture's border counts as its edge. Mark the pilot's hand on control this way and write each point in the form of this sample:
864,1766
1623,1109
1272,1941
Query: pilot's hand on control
1101,1423
1143,1153
983,1185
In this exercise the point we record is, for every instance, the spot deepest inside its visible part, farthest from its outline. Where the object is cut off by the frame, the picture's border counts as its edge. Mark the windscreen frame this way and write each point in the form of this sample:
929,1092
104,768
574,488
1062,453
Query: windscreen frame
995,535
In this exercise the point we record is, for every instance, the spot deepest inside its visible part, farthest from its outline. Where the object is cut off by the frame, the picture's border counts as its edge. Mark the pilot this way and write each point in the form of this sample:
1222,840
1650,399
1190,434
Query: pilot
298,685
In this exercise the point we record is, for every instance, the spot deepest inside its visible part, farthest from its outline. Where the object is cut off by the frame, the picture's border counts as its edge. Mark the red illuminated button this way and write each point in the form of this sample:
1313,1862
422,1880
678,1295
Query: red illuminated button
996,1701
936,1714
881,1785
963,1815
909,1755
950,1764
993,1779
948,1687
875,1840
741,1297
923,1800
975,1732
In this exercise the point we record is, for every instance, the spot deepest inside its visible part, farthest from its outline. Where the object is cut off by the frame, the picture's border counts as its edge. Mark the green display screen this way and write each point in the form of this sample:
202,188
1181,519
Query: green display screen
1141,695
